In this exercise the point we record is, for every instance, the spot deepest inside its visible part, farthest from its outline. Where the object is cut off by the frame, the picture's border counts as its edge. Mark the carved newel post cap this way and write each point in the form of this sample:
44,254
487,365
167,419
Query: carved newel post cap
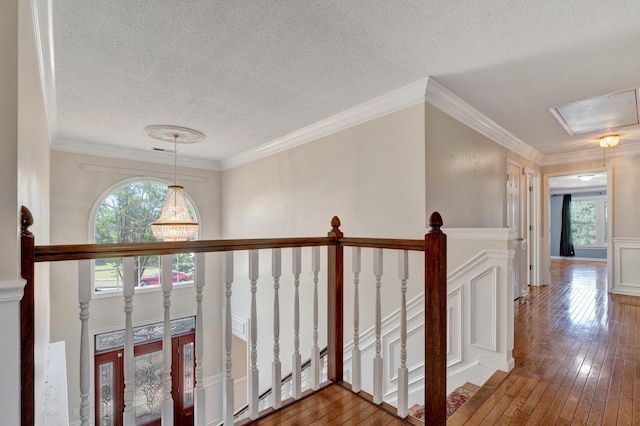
335,228
435,222
26,220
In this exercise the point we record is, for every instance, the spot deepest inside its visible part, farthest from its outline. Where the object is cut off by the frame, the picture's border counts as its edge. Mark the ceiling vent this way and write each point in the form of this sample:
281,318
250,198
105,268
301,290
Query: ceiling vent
598,114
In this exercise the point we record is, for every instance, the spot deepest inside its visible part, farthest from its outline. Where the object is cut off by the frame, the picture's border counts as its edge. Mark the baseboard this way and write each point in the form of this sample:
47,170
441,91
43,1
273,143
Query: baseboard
588,259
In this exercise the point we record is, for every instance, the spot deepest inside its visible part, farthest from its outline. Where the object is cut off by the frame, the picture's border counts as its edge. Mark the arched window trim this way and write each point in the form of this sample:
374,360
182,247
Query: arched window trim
92,220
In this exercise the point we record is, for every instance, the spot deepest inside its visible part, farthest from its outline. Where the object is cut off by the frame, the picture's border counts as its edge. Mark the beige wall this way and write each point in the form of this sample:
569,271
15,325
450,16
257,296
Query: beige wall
465,173
9,309
74,192
9,139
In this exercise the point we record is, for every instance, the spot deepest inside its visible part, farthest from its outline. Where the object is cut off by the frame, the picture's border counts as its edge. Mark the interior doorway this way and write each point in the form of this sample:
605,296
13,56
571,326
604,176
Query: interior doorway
579,216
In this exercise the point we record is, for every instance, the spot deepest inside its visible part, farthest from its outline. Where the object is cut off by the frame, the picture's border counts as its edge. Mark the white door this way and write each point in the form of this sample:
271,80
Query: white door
514,221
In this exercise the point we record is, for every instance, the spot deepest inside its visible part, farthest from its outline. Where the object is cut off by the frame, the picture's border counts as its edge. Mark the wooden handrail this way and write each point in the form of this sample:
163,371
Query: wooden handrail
54,253
383,243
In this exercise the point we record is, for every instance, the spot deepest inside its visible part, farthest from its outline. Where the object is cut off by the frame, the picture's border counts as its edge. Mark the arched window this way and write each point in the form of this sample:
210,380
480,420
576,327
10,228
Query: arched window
125,215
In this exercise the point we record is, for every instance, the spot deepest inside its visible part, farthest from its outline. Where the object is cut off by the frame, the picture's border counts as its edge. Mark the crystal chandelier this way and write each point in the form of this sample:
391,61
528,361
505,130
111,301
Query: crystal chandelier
175,222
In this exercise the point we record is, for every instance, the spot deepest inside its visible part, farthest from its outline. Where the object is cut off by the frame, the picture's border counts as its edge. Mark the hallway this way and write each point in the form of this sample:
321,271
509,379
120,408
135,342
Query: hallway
576,355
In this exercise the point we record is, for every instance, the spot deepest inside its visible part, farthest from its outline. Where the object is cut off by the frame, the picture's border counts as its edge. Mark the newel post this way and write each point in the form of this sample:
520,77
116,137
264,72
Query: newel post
27,320
335,301
435,293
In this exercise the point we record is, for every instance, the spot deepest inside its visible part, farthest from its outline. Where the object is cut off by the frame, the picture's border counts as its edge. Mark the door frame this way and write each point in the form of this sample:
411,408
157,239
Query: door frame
546,257
532,224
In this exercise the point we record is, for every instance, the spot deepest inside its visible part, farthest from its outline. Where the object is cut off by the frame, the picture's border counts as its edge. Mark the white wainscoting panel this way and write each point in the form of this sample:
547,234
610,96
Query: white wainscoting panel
484,305
626,266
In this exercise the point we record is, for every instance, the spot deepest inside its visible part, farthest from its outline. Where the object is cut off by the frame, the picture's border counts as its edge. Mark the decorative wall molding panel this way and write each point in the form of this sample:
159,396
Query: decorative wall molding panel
479,329
626,266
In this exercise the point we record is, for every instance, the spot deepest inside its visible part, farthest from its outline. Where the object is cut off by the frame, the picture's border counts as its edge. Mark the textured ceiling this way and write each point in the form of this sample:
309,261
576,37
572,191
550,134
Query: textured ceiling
248,72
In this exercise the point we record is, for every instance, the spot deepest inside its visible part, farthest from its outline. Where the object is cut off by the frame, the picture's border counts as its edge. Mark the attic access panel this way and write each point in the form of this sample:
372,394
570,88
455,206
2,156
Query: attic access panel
598,114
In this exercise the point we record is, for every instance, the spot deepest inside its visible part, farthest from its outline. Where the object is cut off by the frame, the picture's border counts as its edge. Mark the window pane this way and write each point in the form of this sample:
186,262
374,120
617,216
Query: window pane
105,375
583,222
148,397
188,374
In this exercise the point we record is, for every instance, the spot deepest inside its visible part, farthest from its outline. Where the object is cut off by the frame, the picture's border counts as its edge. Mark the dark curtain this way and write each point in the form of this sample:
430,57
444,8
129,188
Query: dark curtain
566,244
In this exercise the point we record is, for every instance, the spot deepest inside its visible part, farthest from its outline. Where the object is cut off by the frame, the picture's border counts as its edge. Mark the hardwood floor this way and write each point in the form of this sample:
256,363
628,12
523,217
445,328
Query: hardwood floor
576,356
333,405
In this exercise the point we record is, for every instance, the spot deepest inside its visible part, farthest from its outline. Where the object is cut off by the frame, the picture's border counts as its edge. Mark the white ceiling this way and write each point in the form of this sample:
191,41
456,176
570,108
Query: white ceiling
247,73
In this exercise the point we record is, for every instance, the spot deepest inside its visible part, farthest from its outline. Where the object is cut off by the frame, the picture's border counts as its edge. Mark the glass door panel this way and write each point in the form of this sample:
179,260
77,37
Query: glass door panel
148,396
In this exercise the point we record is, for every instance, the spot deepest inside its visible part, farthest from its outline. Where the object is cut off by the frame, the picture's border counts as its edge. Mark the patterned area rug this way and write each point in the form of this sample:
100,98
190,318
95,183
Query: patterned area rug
455,399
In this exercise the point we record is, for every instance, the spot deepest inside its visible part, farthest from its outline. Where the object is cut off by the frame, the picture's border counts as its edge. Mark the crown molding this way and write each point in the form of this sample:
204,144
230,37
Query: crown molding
447,102
593,154
68,145
404,97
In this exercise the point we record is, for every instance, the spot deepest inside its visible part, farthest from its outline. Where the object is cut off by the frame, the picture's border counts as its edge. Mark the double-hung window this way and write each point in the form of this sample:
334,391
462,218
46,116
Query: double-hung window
589,221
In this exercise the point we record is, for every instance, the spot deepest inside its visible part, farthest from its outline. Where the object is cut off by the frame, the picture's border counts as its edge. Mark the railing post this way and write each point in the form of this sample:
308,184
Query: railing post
335,301
27,321
435,293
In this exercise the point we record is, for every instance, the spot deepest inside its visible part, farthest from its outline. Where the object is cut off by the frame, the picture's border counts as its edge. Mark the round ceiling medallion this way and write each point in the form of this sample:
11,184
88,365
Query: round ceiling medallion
174,134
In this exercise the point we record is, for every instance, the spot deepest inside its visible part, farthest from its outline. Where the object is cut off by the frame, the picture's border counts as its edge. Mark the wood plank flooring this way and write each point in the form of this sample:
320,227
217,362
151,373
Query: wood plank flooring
577,363
576,356
333,405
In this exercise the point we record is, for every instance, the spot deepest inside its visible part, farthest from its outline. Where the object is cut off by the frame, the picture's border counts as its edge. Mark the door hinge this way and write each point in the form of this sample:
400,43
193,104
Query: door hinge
530,188
178,350
531,267
530,227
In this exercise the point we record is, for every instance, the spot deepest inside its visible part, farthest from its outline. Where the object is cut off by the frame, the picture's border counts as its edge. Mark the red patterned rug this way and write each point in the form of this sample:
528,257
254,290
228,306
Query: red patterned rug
455,399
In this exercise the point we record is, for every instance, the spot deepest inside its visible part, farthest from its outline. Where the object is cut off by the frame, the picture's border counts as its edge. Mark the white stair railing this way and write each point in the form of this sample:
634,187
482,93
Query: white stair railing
228,377
296,360
403,372
276,375
315,350
129,280
199,398
254,390
377,361
355,352
84,297
167,286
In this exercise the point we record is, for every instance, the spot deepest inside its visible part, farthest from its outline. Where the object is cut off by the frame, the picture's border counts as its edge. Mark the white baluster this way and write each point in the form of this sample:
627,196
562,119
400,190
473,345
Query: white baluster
228,379
167,286
355,352
315,350
296,379
276,367
199,401
253,368
129,281
84,297
403,372
377,361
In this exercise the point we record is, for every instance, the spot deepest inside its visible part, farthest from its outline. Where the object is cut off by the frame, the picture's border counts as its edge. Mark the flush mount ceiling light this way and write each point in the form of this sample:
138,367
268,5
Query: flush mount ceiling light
175,222
598,114
609,141
585,178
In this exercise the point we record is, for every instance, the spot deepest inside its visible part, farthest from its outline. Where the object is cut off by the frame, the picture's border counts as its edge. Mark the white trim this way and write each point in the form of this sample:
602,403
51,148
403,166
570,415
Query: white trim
43,33
449,103
404,97
499,234
240,326
124,153
589,259
12,291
